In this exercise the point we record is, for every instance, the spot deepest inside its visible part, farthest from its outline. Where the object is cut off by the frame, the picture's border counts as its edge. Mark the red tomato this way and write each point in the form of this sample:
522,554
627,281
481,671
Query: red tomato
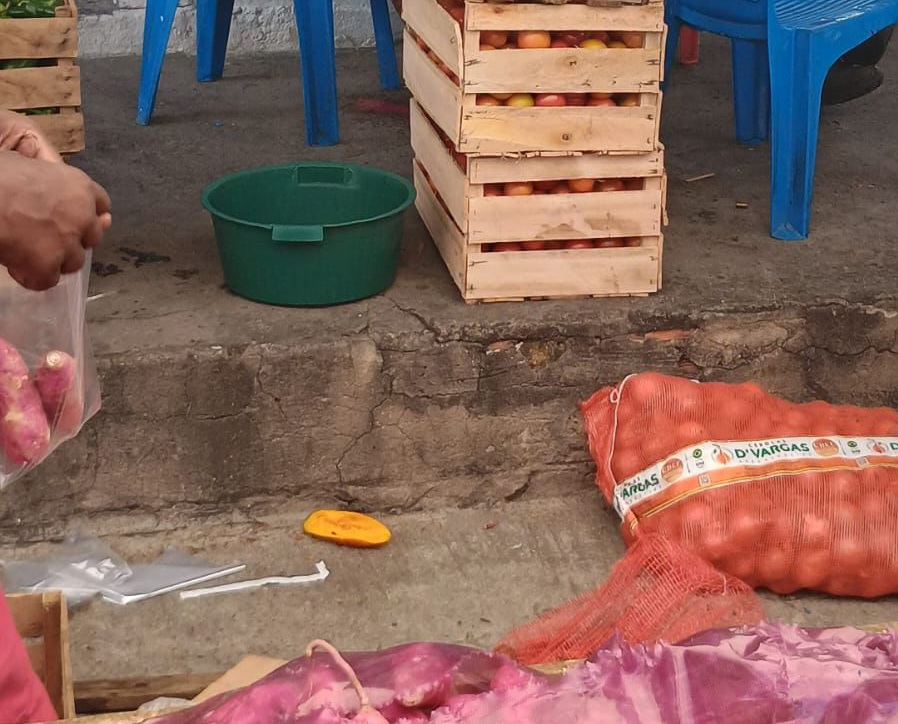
598,102
570,38
486,46
554,245
493,190
632,40
556,43
581,185
561,188
544,185
534,39
508,246
610,184
487,248
533,245
579,244
615,243
600,35
458,14
575,99
549,99
634,184
485,100
495,38
518,188
632,241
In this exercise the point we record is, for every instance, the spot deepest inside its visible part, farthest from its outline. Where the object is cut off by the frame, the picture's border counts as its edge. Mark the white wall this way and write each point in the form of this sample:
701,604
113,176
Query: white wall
258,26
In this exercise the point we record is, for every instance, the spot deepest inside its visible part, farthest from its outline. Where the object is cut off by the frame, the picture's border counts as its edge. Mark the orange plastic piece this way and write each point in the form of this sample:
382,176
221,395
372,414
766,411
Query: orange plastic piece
346,528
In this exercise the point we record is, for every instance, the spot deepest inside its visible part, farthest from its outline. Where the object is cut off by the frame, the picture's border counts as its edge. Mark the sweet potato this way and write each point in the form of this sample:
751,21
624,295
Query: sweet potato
57,383
24,430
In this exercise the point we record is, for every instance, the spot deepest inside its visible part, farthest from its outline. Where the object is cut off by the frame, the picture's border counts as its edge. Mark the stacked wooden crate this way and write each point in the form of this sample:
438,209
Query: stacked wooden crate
539,169
38,75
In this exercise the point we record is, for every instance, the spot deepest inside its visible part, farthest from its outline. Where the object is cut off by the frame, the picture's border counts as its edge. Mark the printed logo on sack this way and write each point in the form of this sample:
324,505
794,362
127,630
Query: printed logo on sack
721,456
825,448
672,470
877,447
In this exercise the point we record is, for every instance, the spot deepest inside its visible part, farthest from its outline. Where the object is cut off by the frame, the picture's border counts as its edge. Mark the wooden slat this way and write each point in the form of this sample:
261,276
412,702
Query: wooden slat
487,170
118,695
50,87
528,16
564,216
590,272
486,130
445,234
562,70
38,38
68,688
437,29
37,657
444,172
52,646
436,94
64,130
27,612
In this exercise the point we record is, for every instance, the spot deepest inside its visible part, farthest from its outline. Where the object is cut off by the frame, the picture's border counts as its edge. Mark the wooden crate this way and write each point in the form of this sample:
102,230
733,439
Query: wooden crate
501,276
461,183
42,621
450,95
57,85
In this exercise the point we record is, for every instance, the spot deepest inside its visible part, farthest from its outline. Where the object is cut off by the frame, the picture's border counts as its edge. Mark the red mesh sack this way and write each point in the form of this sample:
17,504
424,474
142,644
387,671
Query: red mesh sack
781,495
658,591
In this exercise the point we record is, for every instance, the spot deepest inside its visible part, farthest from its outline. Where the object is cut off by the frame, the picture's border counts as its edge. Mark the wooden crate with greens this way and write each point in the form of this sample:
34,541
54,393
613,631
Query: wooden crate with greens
38,75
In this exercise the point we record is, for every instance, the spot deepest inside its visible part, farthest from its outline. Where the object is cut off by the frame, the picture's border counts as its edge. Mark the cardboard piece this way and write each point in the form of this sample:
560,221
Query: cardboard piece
248,671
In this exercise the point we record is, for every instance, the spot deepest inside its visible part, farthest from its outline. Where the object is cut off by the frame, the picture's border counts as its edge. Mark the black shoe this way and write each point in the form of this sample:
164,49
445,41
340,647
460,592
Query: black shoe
850,82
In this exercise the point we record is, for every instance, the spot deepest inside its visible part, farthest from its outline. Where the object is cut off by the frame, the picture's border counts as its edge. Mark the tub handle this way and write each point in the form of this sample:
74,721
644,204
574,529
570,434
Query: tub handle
301,234
337,175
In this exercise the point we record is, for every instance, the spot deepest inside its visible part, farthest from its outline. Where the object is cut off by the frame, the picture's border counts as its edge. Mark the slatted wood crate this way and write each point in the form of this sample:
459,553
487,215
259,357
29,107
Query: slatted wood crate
42,621
465,183
450,76
54,87
478,235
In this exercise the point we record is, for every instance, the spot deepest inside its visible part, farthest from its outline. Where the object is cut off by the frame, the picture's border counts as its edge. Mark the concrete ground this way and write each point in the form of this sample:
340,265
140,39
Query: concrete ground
226,422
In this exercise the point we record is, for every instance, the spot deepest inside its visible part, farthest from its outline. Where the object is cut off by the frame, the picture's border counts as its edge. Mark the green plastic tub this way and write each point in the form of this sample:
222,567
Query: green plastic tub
309,234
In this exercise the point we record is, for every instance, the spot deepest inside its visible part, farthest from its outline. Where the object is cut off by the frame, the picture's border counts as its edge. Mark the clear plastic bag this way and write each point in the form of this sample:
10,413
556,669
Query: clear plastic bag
48,378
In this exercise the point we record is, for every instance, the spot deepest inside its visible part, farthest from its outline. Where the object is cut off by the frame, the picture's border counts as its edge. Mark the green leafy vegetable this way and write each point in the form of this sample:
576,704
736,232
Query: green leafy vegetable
28,8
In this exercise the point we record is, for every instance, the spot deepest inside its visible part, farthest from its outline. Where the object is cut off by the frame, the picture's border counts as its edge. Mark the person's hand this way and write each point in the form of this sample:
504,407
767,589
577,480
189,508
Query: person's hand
18,133
50,213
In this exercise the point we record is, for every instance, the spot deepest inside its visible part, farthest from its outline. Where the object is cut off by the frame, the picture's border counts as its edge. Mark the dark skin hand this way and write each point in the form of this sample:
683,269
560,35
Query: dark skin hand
50,213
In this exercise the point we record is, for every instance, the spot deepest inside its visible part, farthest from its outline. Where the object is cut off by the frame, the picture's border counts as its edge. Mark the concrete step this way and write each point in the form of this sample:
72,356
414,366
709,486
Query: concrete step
414,400
465,576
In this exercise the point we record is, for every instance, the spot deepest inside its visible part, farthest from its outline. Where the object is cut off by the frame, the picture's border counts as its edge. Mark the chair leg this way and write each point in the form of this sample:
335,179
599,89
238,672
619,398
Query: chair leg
386,49
689,46
315,24
156,31
751,91
797,85
213,27
670,49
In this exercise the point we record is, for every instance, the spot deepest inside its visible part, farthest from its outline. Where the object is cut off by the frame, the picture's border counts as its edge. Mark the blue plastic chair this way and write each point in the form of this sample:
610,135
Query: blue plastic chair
315,23
782,51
